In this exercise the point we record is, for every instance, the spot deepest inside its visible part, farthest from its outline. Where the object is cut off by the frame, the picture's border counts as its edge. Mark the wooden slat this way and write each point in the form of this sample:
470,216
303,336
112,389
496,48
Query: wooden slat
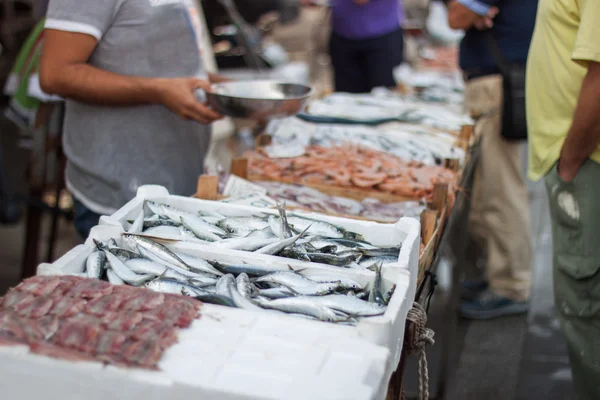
452,164
239,167
263,139
428,225
208,187
440,196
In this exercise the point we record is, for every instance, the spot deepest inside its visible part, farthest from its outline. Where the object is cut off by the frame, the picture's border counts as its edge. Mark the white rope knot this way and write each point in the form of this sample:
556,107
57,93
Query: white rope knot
423,337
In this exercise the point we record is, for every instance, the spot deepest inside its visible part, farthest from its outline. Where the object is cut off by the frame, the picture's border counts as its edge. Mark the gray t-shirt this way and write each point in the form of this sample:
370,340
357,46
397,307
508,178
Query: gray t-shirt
111,151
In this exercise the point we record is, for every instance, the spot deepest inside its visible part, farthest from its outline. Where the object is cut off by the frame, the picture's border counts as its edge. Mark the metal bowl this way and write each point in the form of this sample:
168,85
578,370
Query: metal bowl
259,100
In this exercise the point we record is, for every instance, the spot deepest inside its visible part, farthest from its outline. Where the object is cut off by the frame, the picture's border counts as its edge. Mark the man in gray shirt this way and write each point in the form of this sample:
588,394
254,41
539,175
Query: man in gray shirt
129,70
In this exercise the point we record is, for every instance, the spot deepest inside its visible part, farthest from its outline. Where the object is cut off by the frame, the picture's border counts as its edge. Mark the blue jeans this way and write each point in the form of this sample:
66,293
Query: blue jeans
85,219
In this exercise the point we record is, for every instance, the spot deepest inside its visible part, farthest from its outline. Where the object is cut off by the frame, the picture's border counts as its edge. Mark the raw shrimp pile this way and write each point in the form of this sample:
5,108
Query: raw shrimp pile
352,166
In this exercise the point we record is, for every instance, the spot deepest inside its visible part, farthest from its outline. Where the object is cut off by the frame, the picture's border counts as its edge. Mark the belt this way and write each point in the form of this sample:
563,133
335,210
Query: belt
474,73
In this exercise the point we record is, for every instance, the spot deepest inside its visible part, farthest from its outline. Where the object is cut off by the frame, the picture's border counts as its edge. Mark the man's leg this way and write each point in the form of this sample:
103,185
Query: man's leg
500,207
382,55
575,213
85,219
348,65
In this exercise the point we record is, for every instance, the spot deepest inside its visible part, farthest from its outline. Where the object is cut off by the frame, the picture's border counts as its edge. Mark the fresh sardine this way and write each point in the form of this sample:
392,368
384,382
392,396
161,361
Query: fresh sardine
375,295
173,287
224,285
243,284
350,305
114,278
245,243
156,249
95,264
124,272
276,293
303,305
138,223
213,298
200,230
280,245
252,270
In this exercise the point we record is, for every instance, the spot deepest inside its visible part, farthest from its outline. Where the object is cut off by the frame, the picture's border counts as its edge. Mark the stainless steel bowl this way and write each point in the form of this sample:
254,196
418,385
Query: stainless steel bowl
259,100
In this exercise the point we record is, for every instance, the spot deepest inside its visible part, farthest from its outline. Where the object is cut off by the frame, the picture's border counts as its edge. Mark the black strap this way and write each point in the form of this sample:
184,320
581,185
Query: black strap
503,65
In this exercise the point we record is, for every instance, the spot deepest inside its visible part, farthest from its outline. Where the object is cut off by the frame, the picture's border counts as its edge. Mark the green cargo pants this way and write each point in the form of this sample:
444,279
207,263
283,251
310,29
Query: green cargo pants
575,211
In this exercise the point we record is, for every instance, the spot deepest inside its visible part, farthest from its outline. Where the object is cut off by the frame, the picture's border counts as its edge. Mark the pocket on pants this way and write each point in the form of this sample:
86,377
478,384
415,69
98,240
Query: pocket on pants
577,285
565,209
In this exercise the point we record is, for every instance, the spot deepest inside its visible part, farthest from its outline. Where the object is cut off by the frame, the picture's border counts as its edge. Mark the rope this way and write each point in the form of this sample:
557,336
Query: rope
423,337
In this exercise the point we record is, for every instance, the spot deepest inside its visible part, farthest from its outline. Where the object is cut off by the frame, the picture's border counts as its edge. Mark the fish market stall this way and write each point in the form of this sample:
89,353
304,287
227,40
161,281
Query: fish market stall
261,324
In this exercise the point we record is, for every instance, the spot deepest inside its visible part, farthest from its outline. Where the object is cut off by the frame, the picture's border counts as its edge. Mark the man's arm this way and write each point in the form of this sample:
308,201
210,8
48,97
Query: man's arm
464,14
584,135
64,71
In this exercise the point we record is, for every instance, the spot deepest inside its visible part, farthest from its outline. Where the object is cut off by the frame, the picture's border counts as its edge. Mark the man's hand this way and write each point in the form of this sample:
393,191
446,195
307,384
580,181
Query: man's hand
178,95
584,136
216,78
462,17
487,21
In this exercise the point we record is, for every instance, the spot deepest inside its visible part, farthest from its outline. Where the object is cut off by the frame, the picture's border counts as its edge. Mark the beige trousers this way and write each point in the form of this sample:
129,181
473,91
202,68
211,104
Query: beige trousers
499,220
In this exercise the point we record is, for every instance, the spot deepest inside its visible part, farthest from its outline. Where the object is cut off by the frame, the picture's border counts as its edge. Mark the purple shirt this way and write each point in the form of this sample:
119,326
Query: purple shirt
376,18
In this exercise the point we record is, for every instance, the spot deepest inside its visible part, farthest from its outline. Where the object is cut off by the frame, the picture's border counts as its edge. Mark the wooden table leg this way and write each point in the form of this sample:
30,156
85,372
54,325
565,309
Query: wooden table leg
33,224
56,210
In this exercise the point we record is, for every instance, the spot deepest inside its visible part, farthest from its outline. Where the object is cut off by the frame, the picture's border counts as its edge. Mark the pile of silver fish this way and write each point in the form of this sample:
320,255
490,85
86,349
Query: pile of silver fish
285,235
323,296
367,107
409,142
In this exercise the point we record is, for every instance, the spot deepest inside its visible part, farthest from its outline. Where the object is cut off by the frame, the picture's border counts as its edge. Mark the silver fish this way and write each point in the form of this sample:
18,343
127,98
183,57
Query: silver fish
138,223
114,278
242,226
299,284
276,226
382,252
265,233
253,270
214,214
245,243
289,279
369,263
316,228
156,249
351,305
95,264
375,295
164,231
345,283
303,305
173,287
285,225
198,265
199,230
243,284
276,293
145,266
124,272
175,214
241,301
333,259
280,245
224,285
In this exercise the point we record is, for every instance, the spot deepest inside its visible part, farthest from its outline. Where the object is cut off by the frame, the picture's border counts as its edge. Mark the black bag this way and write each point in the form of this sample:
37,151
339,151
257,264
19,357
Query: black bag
514,121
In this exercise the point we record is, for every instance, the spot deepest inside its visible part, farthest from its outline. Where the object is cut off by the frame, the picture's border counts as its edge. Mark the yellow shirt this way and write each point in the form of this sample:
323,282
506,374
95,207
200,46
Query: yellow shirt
566,37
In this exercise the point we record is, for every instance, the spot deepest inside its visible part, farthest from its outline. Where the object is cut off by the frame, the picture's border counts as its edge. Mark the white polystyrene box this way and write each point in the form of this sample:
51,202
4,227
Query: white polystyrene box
254,349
